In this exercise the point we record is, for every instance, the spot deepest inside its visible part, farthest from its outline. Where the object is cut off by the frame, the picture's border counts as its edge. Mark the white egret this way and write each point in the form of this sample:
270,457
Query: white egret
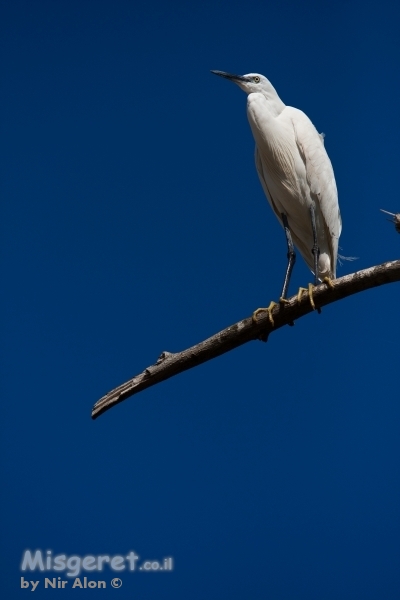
297,178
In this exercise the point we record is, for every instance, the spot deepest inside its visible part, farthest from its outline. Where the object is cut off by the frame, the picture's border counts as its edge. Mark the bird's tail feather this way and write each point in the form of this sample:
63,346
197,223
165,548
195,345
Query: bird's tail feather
342,258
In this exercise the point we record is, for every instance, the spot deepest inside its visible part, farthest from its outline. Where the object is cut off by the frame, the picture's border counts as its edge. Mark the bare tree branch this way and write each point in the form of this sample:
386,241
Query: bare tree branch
395,220
170,364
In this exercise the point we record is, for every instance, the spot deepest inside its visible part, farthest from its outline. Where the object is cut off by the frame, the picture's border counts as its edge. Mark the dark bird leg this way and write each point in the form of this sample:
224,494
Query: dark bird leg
315,250
291,255
291,260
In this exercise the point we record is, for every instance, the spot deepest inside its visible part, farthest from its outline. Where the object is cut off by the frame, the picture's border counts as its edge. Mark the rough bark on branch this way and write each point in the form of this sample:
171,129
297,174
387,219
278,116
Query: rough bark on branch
170,364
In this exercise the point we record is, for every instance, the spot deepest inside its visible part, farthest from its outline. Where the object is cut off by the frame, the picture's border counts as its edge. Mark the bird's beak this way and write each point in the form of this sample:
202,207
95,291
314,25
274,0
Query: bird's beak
235,78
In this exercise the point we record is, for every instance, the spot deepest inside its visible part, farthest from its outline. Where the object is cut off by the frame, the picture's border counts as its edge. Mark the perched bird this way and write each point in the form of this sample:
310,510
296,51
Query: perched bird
297,178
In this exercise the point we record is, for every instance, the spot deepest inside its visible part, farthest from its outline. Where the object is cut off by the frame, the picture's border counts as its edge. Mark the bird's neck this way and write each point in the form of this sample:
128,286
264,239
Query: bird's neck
275,104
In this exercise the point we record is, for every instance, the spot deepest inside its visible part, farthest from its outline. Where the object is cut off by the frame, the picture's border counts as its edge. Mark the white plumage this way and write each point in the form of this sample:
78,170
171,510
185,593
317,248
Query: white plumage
295,171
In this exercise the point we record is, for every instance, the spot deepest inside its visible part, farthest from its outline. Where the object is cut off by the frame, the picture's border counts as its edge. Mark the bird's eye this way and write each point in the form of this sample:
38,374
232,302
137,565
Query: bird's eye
256,79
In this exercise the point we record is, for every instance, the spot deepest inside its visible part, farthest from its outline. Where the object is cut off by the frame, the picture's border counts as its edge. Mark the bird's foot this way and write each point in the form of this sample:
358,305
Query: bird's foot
329,282
282,302
300,293
268,310
310,294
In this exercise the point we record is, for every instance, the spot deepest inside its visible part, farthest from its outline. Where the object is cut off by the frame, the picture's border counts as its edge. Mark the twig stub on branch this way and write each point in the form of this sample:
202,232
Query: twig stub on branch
395,220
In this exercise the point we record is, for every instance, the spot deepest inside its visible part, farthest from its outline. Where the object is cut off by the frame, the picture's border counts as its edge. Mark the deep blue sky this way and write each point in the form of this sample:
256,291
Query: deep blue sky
133,222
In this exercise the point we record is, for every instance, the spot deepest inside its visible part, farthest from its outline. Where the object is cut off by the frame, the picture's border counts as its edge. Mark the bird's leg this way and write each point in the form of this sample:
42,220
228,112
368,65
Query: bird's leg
315,251
291,256
315,248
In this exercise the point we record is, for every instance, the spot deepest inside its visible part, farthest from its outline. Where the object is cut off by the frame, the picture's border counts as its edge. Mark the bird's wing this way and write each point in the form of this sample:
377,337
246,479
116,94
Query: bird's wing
319,174
261,175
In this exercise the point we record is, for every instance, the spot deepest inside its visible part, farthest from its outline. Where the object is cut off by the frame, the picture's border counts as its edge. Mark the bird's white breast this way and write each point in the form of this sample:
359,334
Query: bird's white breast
295,172
283,169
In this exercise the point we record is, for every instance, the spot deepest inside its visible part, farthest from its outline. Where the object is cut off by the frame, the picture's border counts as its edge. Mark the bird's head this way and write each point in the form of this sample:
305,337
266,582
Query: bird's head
255,83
